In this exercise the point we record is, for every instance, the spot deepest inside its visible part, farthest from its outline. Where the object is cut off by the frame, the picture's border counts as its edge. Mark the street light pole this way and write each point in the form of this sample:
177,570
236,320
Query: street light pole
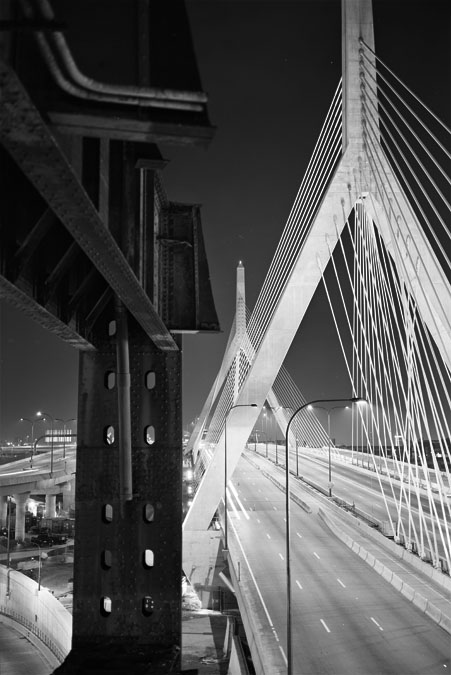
33,543
243,405
287,519
44,414
328,411
26,419
71,419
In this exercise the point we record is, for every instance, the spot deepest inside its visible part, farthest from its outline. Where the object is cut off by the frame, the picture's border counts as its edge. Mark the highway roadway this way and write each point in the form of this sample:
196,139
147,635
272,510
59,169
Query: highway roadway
29,473
346,619
19,656
362,487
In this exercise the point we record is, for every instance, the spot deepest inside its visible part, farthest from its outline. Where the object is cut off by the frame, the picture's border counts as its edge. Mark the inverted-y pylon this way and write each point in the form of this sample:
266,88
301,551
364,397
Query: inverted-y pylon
231,356
360,178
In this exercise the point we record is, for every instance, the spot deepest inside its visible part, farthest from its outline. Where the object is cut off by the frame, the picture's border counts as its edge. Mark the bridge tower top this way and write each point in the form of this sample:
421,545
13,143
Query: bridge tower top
357,25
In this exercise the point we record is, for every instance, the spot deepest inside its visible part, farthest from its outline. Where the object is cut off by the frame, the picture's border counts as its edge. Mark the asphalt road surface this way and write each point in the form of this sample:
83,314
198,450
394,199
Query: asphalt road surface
346,619
18,656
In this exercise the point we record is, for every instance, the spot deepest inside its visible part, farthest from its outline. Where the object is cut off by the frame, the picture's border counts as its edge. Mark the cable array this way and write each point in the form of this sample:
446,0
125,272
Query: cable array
390,309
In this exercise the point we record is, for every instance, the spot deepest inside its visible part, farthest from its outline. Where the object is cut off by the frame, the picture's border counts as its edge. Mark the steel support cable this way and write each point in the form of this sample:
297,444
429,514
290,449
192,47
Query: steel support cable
420,413
282,281
420,209
289,233
406,105
388,347
376,271
432,379
439,417
370,357
406,124
437,119
87,88
428,336
415,156
291,398
263,308
286,385
292,223
365,429
369,225
360,324
400,261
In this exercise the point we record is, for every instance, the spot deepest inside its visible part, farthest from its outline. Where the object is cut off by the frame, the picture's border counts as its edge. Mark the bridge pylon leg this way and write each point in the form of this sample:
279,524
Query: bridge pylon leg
127,569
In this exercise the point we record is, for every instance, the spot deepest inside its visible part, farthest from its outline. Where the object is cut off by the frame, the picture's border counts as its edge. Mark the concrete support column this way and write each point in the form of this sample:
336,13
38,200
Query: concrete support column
21,500
50,506
3,511
69,496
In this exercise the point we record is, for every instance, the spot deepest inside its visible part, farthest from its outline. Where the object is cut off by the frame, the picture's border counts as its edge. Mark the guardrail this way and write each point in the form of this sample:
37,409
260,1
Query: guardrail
36,610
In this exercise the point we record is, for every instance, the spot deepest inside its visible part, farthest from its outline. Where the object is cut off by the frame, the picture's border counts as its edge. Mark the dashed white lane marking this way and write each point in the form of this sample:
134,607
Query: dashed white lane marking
340,582
299,535
281,556
267,499
325,625
269,536
377,624
258,520
284,520
299,584
315,553
258,589
275,508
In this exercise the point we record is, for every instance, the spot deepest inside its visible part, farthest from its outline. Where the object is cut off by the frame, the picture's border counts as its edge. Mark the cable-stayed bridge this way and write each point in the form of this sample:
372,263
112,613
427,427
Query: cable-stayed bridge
370,223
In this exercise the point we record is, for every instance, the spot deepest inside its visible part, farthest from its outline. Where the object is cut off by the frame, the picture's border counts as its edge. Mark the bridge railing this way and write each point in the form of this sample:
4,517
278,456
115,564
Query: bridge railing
36,610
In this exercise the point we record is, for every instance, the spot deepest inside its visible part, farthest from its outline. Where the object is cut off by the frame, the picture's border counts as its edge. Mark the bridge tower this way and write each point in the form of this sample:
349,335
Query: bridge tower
358,176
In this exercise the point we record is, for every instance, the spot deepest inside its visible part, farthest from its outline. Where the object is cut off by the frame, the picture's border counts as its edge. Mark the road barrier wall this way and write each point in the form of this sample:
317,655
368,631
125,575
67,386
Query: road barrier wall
38,611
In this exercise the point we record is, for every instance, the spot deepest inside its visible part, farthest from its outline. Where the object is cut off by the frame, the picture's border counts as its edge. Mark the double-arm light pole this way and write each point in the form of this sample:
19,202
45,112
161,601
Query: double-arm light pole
240,405
287,516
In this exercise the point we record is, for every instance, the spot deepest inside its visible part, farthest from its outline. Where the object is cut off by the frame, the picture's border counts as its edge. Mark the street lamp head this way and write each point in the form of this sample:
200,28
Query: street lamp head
358,400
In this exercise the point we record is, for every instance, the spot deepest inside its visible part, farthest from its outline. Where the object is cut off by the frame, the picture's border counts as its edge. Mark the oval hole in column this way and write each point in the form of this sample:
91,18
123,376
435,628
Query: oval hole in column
110,379
106,559
148,558
149,513
149,434
150,379
108,435
107,513
112,328
105,605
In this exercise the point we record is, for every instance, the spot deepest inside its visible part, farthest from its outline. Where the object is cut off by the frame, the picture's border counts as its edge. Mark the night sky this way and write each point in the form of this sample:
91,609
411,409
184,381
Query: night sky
270,69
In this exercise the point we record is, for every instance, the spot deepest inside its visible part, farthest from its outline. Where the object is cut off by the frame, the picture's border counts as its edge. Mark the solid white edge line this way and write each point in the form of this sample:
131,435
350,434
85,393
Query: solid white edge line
232,504
257,588
235,493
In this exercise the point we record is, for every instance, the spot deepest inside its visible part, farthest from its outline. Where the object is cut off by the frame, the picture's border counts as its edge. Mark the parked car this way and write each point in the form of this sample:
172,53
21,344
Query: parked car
42,539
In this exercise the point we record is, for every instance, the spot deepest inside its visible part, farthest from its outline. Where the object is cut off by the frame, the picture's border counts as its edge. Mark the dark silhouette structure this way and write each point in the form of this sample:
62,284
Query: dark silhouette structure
93,249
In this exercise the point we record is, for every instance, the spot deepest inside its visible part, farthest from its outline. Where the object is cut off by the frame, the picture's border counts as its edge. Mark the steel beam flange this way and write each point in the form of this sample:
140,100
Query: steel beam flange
29,141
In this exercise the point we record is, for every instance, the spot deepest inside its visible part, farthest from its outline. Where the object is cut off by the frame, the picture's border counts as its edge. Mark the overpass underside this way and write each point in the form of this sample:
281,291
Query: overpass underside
96,253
